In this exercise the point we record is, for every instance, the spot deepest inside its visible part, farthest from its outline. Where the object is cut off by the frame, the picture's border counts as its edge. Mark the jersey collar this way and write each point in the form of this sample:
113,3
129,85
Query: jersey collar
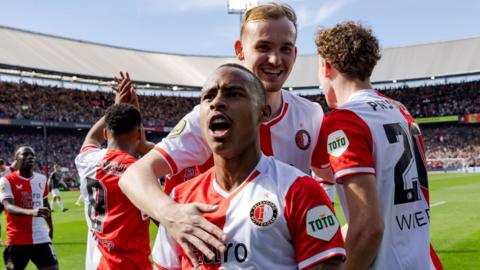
282,114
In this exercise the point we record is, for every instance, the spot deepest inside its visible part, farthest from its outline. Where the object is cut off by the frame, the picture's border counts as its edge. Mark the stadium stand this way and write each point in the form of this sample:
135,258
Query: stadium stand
21,101
69,113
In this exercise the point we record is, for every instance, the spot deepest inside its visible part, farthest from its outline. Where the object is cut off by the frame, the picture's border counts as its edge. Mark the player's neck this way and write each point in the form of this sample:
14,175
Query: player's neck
231,173
114,145
25,173
345,88
275,101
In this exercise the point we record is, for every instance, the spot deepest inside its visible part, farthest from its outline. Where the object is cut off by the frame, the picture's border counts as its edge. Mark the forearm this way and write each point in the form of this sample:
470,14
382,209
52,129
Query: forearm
49,218
331,264
362,243
140,185
16,210
95,135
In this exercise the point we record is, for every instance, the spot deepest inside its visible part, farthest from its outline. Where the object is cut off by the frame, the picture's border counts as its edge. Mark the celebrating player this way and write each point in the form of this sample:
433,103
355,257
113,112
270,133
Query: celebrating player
377,154
24,194
267,48
261,200
54,182
120,231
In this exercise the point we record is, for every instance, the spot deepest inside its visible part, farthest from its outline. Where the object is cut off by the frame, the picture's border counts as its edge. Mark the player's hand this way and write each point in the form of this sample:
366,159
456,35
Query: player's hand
125,90
191,230
41,212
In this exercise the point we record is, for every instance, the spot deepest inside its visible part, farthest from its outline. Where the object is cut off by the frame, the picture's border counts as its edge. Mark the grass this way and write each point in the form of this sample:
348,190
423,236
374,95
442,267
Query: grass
455,224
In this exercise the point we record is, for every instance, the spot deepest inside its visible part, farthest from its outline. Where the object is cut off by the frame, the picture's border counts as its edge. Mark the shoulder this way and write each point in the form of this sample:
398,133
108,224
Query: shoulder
343,118
300,103
283,174
39,176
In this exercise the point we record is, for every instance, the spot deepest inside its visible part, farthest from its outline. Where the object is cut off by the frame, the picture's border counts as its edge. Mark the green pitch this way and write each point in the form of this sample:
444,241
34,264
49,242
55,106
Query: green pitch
455,224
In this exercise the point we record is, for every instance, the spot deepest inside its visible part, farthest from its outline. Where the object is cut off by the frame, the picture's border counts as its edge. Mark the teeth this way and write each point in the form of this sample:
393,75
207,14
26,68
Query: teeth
275,72
219,121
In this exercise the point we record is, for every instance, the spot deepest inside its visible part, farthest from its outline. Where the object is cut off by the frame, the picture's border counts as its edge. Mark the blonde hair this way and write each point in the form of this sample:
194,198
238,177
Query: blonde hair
267,12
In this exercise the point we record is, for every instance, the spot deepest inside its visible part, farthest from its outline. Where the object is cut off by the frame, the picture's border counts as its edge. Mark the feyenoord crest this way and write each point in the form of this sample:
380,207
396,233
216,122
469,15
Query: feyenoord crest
178,128
264,213
302,139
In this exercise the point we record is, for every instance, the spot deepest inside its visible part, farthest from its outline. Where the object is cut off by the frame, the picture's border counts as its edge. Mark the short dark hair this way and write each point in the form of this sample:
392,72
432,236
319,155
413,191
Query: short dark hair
256,81
2,162
350,47
122,118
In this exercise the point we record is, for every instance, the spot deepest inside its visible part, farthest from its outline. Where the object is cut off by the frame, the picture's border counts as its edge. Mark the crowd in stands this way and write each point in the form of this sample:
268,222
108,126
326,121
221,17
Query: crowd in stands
453,142
33,102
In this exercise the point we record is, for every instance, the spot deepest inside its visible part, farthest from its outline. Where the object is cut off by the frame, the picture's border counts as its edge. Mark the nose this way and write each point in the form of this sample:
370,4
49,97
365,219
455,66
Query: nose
218,102
274,58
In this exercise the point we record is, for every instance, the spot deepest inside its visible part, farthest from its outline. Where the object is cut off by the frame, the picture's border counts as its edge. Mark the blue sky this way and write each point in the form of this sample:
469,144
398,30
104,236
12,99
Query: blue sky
204,27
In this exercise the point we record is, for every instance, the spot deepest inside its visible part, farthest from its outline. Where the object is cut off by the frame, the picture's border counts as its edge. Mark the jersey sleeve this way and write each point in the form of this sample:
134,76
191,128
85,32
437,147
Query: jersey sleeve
346,142
320,157
166,252
87,159
313,226
184,146
5,189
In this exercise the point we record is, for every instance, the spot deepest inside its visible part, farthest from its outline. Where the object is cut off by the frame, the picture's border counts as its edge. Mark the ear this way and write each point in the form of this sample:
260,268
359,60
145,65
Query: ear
328,69
105,134
265,113
239,50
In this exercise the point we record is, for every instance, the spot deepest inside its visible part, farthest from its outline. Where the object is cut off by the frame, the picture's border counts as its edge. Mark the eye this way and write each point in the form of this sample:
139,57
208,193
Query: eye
263,48
234,94
287,49
208,97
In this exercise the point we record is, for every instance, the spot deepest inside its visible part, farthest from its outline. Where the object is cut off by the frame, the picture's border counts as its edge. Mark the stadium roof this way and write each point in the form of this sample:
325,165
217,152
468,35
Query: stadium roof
32,51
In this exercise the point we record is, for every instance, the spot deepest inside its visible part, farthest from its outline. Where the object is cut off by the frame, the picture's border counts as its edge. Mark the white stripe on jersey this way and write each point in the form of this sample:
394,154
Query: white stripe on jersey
322,255
342,173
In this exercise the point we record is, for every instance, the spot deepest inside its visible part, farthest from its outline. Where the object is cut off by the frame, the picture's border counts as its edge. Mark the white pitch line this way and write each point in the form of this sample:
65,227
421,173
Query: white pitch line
438,203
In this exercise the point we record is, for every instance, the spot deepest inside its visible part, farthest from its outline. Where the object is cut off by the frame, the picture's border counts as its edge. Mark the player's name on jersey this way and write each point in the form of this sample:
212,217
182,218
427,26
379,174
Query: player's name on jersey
414,220
383,104
238,251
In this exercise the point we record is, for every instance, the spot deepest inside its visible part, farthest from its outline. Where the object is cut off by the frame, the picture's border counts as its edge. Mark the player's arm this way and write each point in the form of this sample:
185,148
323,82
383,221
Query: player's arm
332,264
13,209
184,222
124,93
48,219
365,229
325,174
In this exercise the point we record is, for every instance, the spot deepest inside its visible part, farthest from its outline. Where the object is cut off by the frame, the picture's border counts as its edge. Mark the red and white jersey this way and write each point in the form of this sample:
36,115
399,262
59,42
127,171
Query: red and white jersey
119,228
278,218
26,193
186,174
290,137
8,169
372,134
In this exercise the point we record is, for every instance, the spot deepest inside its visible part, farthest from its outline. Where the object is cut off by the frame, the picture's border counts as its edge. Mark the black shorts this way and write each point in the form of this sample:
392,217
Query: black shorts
42,255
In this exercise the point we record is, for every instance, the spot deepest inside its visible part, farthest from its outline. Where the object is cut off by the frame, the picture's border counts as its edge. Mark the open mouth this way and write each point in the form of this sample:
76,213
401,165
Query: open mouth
272,72
219,126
